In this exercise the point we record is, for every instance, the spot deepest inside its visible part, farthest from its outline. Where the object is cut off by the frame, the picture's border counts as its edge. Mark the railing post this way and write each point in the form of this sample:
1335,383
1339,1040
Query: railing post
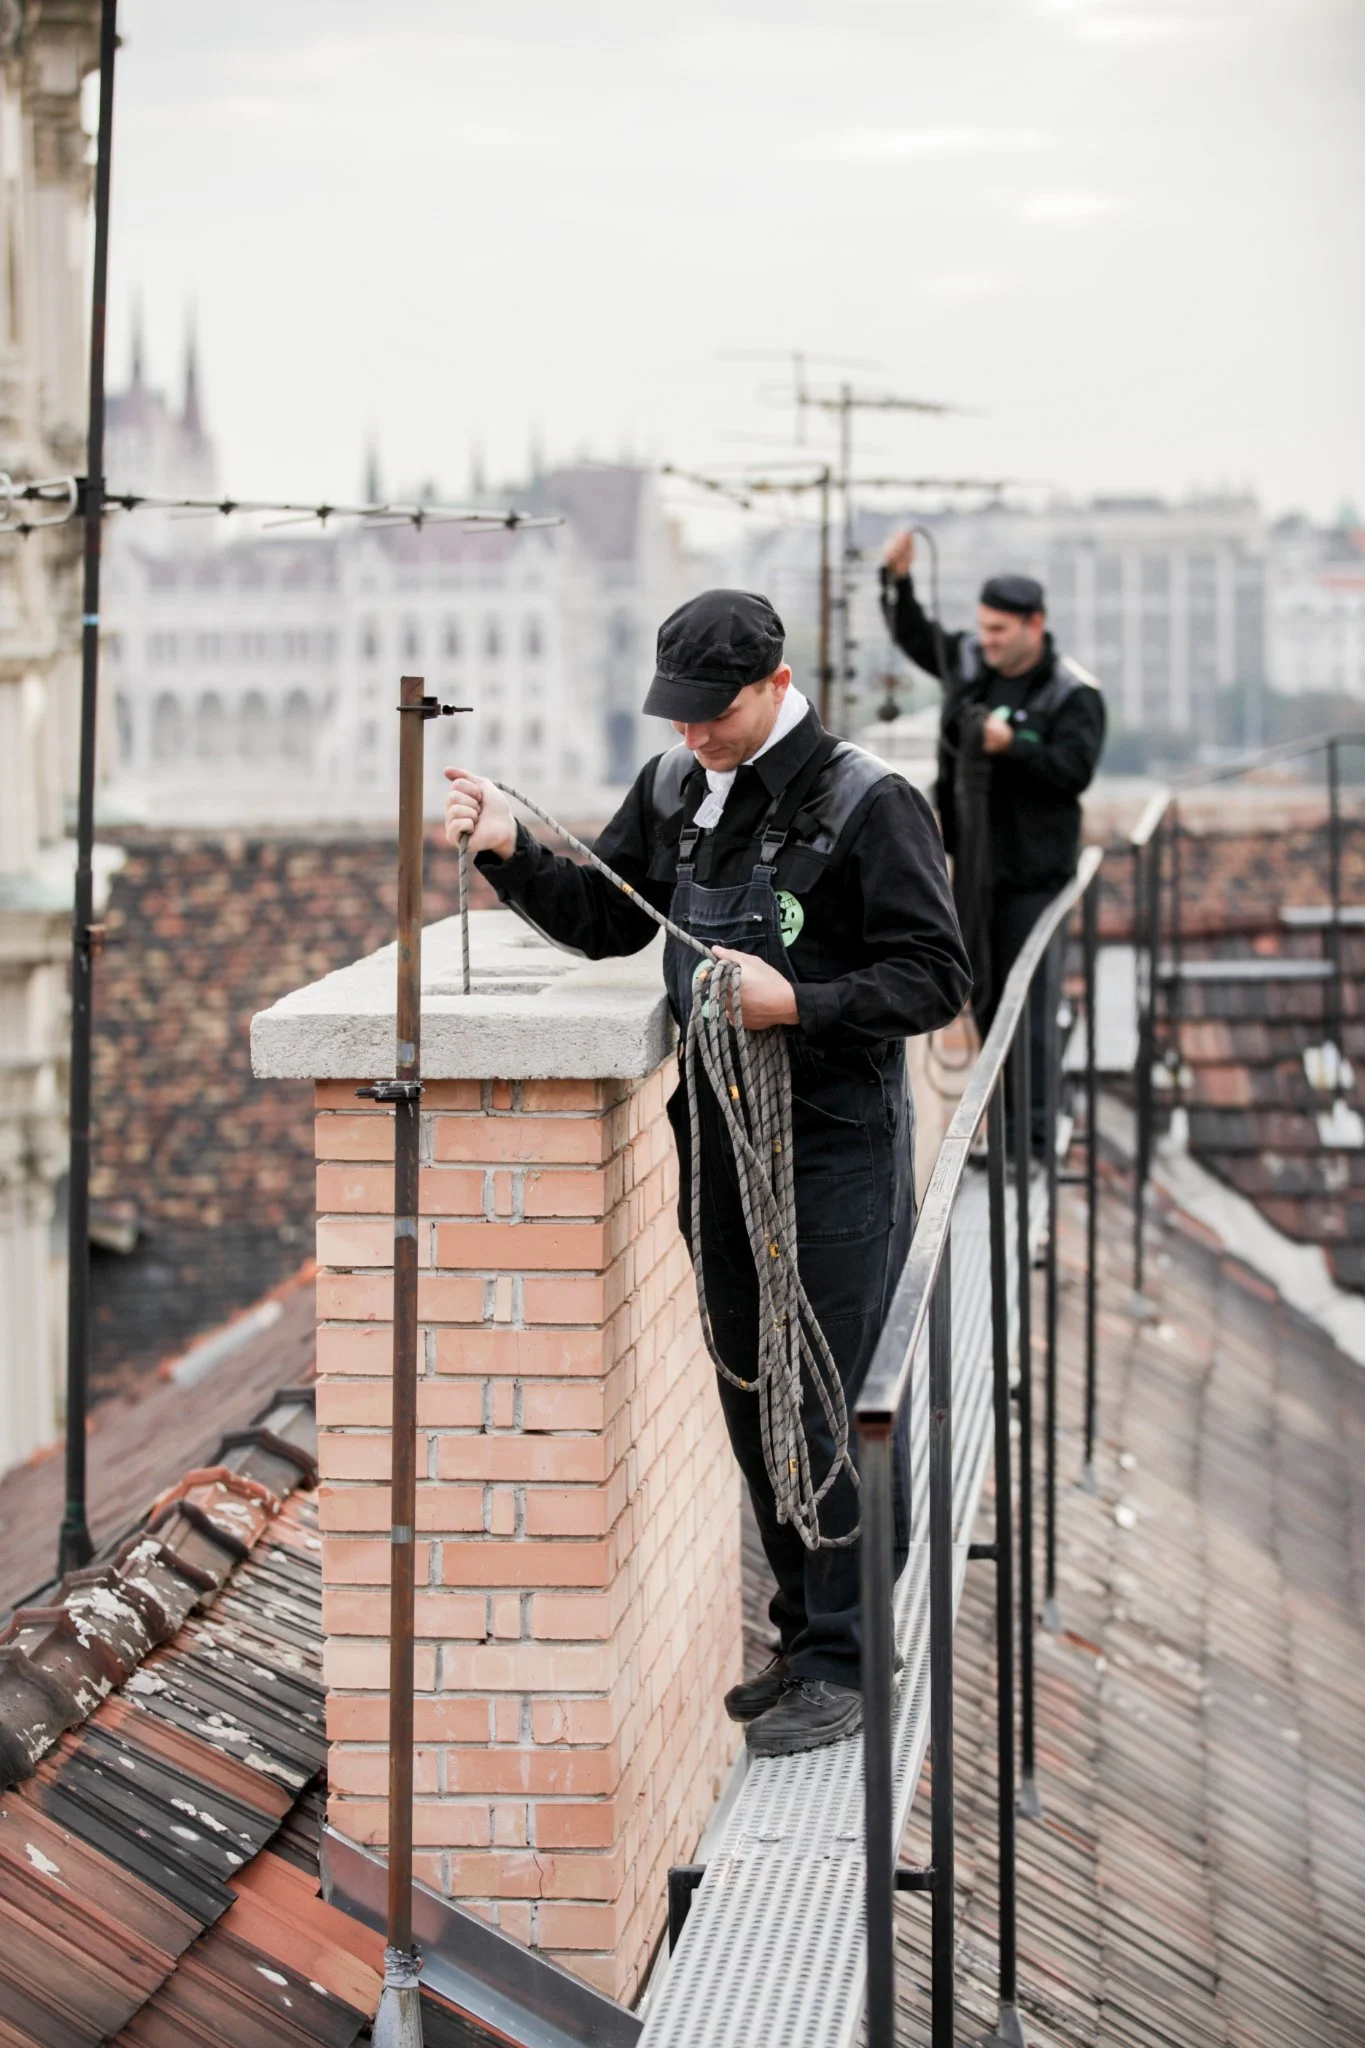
943,1997
1140,966
1008,2030
1019,1058
1338,996
1052,1054
875,1457
1175,1007
1151,874
1090,948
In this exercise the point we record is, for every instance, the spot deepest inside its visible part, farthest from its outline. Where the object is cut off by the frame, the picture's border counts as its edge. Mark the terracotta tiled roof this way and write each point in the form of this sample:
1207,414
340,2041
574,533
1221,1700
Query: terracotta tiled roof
1198,1876
161,1719
143,1441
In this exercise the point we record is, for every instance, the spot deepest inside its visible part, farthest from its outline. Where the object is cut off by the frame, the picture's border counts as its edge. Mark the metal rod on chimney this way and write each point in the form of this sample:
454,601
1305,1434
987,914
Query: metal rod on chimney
398,2023
74,1545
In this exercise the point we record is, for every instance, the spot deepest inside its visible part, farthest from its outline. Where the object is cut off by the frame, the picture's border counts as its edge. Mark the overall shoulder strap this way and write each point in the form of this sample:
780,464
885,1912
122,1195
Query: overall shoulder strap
1067,677
785,805
670,772
849,774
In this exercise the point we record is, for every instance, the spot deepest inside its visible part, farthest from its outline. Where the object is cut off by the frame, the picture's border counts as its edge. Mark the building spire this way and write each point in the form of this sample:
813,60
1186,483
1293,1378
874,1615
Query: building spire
192,418
372,489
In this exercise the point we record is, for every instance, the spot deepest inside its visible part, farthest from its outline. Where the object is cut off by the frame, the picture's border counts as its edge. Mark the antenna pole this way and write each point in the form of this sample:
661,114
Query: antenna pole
74,1545
847,642
826,674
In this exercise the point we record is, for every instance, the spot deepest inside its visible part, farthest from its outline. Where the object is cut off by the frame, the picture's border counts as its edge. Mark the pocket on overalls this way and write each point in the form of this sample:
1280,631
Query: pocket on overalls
835,1175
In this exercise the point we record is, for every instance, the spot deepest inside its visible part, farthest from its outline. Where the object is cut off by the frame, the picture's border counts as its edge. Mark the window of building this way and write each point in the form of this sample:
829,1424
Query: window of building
621,633
123,726
451,640
492,639
369,641
535,638
493,732
210,727
534,733
620,746
168,728
253,727
297,730
412,640
1156,579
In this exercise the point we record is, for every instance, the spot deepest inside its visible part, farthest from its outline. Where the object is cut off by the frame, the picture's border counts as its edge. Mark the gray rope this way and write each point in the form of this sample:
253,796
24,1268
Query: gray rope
749,1074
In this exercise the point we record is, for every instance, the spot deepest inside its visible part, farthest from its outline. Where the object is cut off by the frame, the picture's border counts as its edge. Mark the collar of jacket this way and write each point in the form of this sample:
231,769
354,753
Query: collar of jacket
776,768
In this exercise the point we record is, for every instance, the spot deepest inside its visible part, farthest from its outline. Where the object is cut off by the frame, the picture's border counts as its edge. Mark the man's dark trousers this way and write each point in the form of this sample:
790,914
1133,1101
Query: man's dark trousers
853,1140
1014,912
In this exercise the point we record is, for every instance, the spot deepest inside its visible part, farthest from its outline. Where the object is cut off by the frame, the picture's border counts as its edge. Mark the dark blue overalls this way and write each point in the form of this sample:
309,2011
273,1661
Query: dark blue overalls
853,1138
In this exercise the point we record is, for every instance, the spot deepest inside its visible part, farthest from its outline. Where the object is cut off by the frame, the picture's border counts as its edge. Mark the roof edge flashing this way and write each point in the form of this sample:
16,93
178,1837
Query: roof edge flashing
492,1978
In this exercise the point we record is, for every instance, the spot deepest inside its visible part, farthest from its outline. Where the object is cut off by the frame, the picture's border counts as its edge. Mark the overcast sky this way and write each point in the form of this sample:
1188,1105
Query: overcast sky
1128,235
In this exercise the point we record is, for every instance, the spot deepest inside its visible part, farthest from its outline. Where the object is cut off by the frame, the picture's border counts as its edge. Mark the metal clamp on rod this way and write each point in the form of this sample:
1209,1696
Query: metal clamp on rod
392,1091
432,707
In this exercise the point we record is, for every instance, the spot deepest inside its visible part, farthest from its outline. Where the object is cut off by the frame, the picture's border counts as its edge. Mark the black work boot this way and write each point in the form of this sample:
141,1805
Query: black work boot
754,1696
810,1714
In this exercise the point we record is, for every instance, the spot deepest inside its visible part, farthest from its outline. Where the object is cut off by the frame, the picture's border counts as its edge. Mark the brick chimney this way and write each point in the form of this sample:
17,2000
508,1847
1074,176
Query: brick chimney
578,1573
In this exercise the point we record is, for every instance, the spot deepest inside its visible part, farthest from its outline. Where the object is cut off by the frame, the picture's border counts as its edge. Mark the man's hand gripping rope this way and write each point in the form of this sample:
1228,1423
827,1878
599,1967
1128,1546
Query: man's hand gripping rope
749,1073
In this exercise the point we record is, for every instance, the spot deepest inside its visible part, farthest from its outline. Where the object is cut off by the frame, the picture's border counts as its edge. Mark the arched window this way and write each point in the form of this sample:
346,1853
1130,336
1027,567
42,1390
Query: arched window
412,640
123,725
168,728
210,727
253,727
535,639
452,640
492,639
297,733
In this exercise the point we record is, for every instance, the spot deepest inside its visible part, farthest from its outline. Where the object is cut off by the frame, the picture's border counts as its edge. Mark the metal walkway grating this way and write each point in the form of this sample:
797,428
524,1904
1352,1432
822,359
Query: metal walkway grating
773,1948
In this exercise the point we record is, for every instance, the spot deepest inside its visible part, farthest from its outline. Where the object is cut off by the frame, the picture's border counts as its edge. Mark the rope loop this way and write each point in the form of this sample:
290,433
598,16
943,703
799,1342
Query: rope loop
749,1075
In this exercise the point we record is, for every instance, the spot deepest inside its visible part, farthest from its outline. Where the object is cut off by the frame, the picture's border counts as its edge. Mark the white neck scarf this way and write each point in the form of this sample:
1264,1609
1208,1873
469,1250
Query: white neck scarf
718,786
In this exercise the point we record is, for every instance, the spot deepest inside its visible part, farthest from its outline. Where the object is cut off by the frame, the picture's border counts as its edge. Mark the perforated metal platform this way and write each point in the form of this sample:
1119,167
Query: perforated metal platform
773,1949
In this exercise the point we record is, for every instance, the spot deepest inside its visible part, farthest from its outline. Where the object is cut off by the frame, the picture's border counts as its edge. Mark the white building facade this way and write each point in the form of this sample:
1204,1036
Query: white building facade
254,681
44,196
1316,608
1165,603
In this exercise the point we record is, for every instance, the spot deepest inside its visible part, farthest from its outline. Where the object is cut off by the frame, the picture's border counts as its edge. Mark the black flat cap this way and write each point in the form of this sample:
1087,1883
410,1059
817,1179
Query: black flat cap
708,649
1022,594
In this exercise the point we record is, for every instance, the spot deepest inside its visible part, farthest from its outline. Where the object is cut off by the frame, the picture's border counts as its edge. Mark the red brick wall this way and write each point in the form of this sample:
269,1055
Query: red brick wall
578,1573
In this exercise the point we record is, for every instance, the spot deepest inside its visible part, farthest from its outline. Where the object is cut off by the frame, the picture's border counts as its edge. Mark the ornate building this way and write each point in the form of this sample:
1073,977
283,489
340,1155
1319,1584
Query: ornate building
45,51
252,680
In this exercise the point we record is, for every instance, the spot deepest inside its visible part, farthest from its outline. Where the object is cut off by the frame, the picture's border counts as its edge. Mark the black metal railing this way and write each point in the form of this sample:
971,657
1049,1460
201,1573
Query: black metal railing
1155,846
923,1301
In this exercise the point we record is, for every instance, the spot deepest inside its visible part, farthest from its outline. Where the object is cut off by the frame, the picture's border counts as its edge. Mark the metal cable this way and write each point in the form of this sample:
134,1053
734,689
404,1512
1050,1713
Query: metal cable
749,1074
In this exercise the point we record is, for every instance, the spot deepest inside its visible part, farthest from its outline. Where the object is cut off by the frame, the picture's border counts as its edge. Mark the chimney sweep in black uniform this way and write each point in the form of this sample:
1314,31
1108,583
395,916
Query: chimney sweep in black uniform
822,872
1020,738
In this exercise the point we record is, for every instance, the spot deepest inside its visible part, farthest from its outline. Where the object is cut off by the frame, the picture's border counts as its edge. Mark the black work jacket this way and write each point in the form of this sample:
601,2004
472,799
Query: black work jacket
1058,717
879,955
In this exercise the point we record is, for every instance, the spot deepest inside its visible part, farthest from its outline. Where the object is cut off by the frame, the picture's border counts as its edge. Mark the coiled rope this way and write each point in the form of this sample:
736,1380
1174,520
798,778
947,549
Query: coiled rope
749,1074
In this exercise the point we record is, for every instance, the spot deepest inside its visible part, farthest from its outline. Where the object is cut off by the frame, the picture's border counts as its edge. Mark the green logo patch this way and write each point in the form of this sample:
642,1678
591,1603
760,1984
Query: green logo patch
791,916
